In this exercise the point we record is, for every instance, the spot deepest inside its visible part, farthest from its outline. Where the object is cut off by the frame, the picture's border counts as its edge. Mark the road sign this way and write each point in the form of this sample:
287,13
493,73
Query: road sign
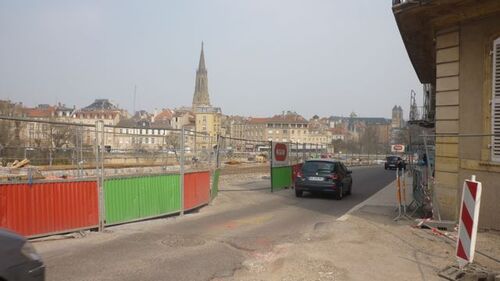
397,148
469,215
280,154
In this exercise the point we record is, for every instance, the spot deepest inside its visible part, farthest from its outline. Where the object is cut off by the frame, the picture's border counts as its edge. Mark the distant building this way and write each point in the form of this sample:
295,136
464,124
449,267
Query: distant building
165,116
141,131
100,109
182,118
235,126
207,118
351,128
201,97
34,134
397,117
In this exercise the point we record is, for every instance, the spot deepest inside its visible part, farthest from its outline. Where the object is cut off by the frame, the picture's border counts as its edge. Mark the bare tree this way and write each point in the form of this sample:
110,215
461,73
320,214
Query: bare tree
9,130
369,140
172,141
60,136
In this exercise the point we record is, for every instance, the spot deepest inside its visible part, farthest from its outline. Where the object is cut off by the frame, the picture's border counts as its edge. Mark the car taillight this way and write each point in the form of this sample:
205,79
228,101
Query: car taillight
334,176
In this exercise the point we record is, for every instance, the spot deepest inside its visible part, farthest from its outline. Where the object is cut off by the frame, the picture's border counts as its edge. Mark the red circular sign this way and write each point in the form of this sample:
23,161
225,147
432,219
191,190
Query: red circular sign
398,147
280,152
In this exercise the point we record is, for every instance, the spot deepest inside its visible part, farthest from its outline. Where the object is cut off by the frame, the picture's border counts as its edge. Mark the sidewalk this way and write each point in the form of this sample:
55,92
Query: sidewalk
365,244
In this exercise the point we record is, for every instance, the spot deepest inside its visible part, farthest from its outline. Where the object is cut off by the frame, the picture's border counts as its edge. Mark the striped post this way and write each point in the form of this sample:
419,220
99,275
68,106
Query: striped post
469,215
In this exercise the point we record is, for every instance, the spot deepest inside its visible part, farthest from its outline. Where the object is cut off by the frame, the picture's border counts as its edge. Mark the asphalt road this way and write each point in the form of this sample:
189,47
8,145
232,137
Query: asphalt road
211,244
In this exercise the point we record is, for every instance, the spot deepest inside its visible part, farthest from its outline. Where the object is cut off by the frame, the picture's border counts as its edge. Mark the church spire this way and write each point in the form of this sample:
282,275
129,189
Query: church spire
201,97
201,65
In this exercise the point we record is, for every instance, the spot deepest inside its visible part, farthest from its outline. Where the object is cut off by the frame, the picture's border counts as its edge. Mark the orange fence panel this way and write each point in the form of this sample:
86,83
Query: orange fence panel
41,208
196,189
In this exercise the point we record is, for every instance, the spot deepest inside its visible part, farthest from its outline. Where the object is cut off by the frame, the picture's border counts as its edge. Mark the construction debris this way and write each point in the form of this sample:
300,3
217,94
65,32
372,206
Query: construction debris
21,164
20,170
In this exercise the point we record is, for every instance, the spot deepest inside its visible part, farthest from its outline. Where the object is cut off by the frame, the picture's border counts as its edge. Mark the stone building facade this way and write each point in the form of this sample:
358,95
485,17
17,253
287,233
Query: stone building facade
455,47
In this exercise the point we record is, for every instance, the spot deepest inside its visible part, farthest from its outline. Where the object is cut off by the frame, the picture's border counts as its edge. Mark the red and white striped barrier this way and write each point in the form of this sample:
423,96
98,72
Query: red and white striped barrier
469,215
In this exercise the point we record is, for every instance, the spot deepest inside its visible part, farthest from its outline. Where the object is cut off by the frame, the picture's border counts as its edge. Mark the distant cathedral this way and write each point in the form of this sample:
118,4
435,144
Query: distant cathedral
201,97
397,117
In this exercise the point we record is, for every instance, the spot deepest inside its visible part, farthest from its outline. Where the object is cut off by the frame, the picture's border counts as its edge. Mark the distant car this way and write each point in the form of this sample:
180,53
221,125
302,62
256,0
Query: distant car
324,176
18,259
391,162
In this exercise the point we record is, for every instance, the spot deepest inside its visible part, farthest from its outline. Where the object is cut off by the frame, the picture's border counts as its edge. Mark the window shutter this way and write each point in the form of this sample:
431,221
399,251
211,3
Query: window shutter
495,103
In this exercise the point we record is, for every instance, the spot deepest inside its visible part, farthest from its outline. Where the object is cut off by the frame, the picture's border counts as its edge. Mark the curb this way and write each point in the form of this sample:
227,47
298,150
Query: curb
345,216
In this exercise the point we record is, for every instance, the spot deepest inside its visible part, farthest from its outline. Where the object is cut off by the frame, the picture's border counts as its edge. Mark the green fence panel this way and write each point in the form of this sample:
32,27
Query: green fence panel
215,183
281,177
133,198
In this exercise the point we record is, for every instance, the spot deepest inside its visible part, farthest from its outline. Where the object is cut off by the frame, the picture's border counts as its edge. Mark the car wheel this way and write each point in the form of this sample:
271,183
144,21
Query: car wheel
340,193
298,193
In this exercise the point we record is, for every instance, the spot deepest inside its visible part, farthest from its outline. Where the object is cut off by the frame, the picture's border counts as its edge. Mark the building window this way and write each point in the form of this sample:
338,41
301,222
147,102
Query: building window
495,104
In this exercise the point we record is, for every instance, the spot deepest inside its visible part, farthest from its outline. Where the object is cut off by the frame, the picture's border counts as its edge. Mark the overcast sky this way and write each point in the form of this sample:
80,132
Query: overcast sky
325,57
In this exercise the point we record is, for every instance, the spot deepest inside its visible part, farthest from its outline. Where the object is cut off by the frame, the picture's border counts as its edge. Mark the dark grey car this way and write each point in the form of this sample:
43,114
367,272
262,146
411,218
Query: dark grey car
392,162
324,176
18,258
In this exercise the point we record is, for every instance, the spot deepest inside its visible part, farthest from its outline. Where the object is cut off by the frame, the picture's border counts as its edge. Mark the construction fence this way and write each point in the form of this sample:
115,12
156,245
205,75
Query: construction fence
59,177
99,175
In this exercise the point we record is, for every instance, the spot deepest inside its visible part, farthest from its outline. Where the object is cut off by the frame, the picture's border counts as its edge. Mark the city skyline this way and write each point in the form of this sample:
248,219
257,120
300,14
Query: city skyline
77,52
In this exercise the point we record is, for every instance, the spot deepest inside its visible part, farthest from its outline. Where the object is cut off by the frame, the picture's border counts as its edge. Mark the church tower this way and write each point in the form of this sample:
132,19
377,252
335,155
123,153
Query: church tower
201,97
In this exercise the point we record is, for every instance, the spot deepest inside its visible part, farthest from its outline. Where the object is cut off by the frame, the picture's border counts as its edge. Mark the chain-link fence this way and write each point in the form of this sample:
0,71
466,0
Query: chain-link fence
45,148
243,155
50,149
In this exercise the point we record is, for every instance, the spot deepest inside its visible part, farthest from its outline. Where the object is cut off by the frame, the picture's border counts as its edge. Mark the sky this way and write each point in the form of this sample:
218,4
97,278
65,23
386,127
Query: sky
324,57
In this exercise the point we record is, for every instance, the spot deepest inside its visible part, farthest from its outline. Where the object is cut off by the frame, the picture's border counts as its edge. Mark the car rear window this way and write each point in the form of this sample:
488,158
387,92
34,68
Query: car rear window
319,166
392,158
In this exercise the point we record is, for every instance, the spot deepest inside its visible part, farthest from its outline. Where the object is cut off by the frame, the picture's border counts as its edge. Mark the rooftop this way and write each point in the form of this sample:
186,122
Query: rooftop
101,104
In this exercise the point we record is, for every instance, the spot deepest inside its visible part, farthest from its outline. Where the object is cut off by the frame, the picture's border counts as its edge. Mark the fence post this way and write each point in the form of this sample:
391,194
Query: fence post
99,171
271,163
217,161
181,169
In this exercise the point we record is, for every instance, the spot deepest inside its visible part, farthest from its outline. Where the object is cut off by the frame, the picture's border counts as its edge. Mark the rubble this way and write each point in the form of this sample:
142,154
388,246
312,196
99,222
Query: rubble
20,170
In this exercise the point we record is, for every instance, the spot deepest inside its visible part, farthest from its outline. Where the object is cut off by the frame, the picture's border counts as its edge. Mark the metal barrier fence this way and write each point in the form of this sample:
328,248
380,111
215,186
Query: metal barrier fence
120,174
111,174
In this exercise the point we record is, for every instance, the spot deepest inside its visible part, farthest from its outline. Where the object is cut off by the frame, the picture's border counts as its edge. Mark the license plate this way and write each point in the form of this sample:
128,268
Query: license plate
316,178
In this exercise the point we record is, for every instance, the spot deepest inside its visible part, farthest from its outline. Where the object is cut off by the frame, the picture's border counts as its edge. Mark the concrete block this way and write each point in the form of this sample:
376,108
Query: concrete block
447,83
447,40
447,55
447,98
447,112
447,69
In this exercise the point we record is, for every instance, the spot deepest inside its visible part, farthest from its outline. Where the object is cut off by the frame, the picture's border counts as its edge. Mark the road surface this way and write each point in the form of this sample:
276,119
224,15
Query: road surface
212,244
